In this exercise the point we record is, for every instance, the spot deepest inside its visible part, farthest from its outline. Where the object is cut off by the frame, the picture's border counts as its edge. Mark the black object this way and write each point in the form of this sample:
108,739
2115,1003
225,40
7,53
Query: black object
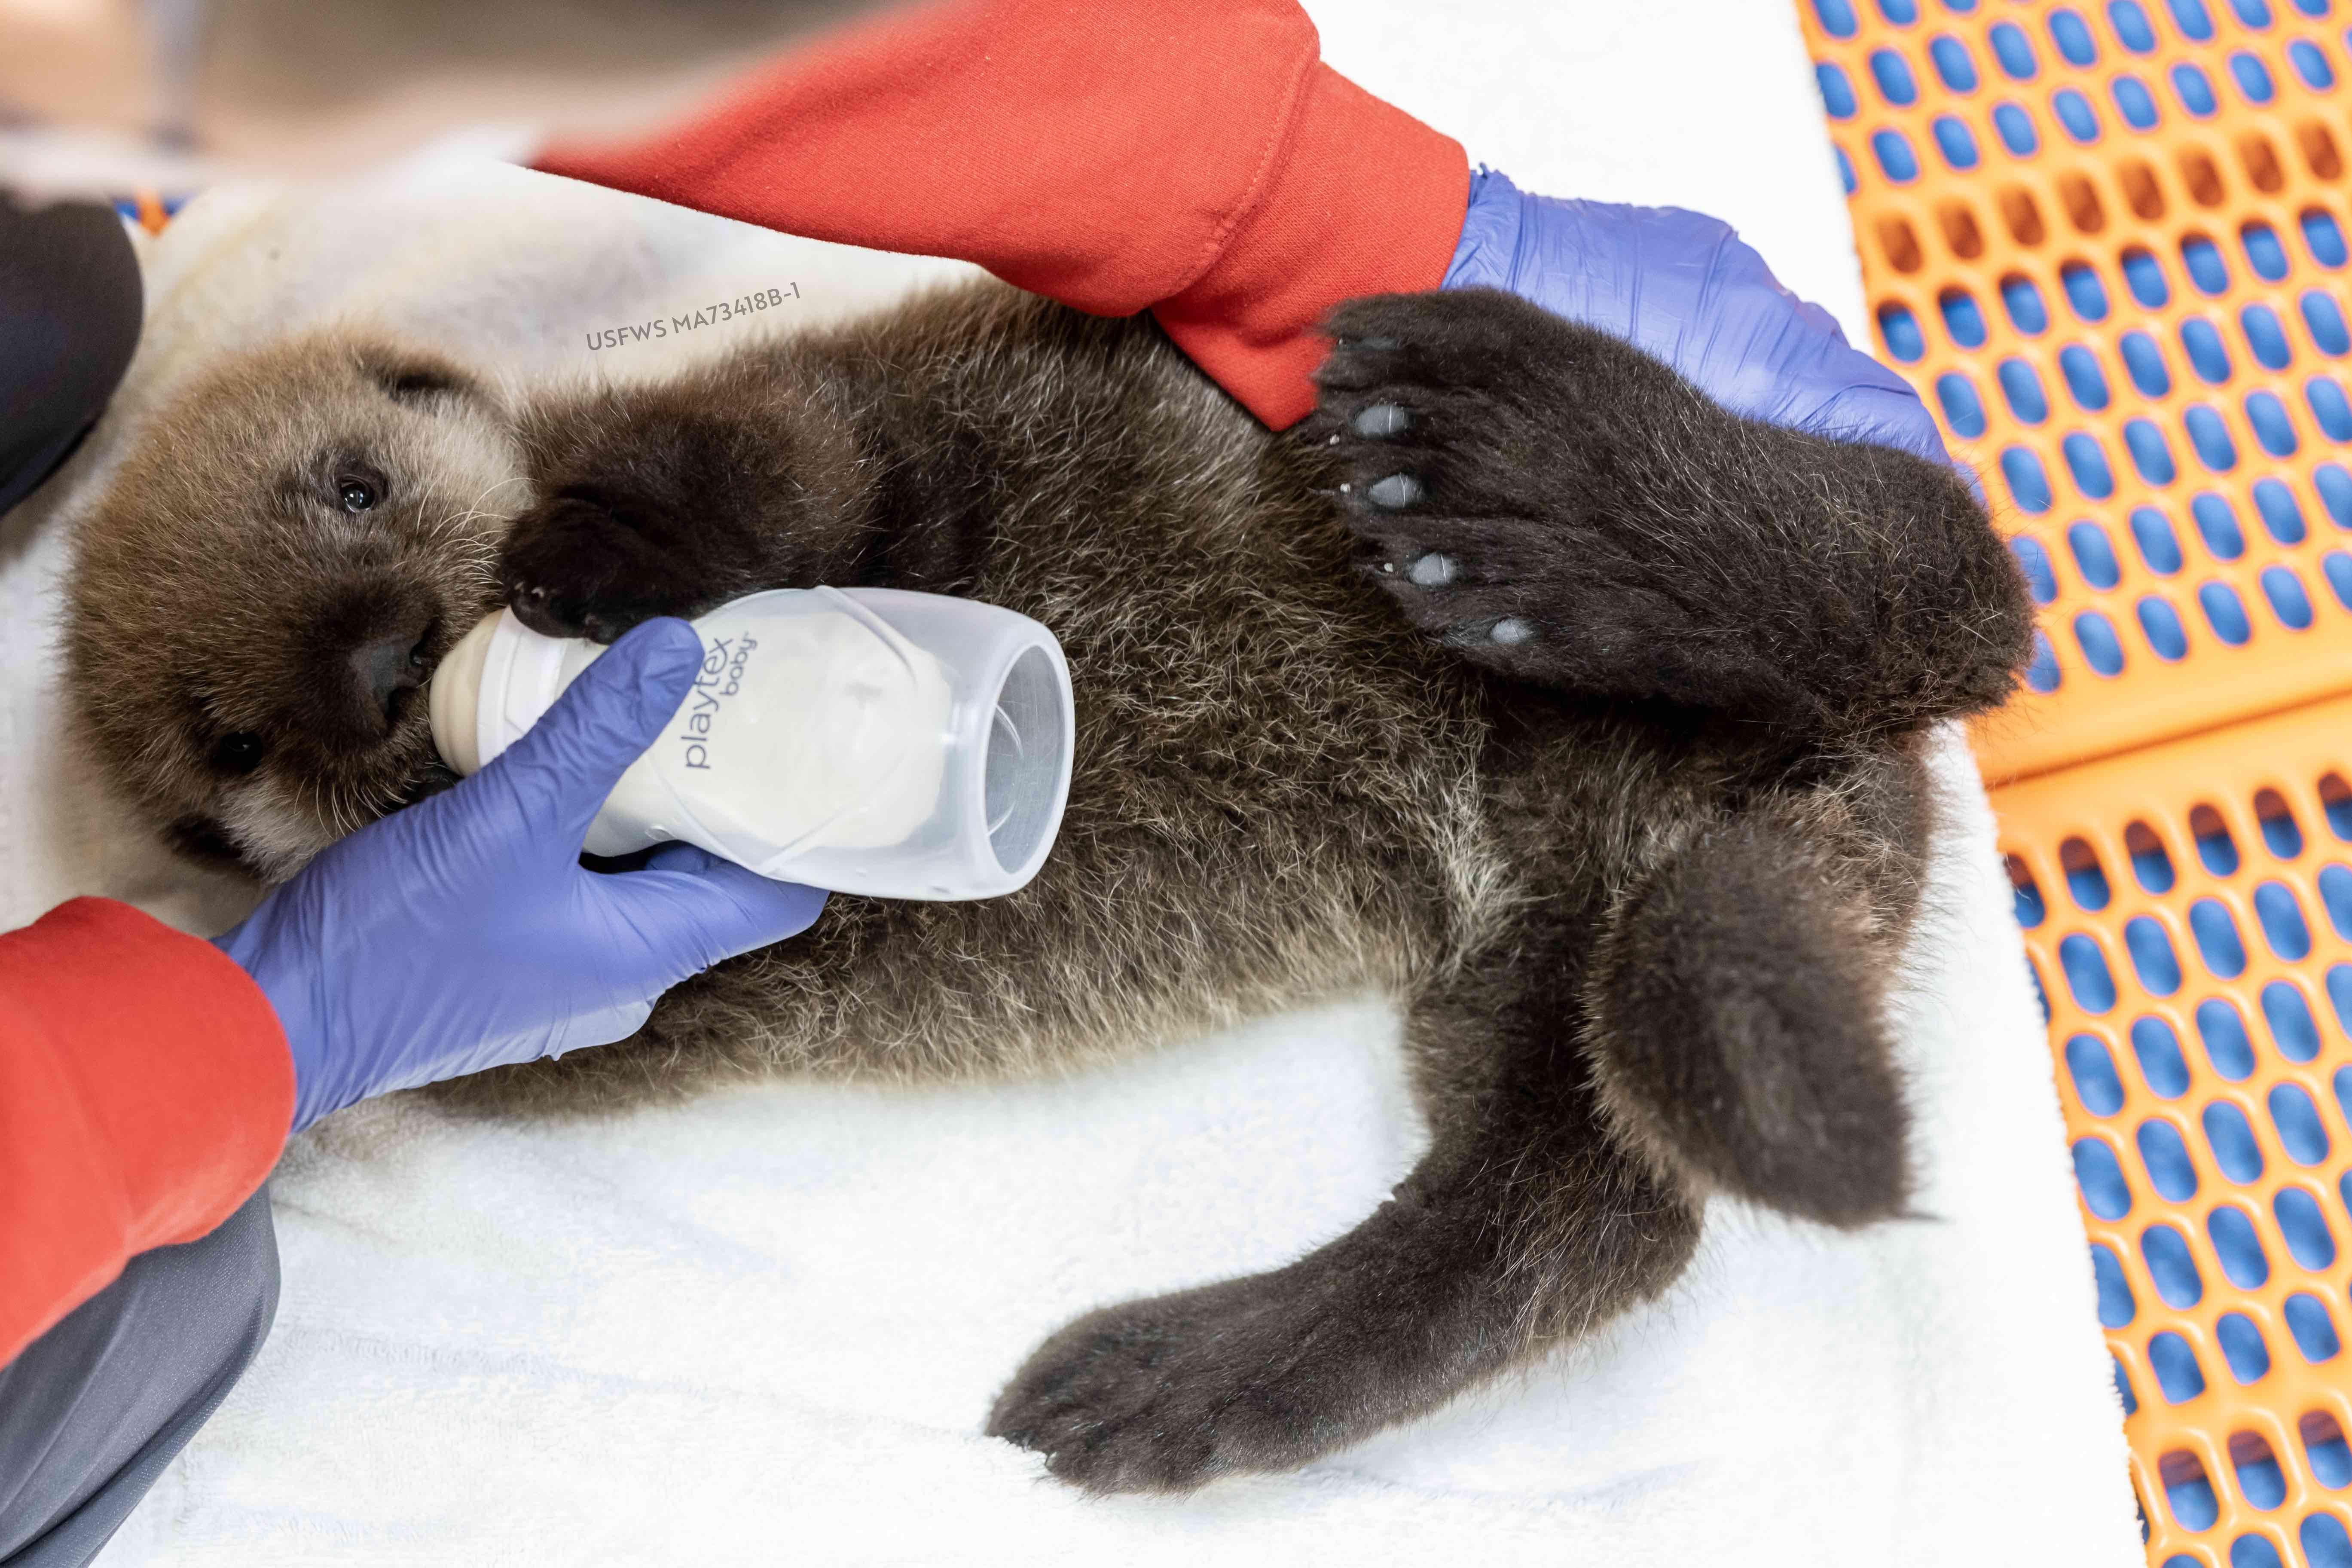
94,1409
70,307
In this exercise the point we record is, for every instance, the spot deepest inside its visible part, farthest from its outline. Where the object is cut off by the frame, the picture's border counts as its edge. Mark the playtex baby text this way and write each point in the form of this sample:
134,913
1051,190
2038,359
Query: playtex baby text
720,678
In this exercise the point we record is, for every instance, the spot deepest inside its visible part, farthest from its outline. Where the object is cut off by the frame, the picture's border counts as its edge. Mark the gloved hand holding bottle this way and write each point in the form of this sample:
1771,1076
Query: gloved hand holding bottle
463,932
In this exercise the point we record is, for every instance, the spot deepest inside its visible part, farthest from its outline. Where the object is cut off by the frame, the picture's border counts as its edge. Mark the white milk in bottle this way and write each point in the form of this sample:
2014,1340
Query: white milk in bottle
868,741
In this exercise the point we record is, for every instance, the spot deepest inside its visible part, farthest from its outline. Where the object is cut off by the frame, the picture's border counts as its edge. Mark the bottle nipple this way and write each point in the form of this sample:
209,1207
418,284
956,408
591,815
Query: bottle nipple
454,699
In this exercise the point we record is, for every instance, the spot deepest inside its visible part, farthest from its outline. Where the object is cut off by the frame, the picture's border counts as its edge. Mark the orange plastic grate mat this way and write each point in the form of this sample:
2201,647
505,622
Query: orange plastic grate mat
151,210
2108,241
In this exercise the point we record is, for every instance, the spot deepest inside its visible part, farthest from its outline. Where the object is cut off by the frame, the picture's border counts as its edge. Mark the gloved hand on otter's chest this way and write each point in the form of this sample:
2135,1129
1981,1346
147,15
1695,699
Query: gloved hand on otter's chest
463,933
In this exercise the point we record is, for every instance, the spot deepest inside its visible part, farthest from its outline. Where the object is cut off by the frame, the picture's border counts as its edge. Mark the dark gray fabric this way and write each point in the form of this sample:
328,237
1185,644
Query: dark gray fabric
70,306
94,1409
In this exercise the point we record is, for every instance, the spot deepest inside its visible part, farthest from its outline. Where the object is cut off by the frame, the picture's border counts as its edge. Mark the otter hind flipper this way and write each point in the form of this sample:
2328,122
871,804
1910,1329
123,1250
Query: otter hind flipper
1559,507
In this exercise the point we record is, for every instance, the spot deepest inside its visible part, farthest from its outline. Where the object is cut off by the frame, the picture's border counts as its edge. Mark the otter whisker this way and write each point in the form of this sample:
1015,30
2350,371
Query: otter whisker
473,509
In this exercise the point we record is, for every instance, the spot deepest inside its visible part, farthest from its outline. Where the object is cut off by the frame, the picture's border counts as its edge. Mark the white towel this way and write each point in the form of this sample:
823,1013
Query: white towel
766,1326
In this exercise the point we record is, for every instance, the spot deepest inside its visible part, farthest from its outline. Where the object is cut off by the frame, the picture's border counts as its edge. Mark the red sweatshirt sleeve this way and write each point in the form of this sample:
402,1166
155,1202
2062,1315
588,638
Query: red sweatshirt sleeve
146,1091
1193,157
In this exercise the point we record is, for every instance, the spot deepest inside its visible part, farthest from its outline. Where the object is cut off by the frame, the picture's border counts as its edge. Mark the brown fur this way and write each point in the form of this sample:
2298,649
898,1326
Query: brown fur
1637,878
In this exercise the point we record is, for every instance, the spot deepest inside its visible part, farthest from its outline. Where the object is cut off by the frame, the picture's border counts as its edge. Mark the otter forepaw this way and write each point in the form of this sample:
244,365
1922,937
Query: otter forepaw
574,568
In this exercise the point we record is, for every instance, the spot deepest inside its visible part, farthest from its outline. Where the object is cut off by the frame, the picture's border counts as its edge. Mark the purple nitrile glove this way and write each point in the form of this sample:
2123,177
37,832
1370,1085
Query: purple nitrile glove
463,932
1687,288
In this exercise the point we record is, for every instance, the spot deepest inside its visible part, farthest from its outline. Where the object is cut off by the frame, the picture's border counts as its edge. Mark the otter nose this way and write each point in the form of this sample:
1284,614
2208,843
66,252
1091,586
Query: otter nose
386,669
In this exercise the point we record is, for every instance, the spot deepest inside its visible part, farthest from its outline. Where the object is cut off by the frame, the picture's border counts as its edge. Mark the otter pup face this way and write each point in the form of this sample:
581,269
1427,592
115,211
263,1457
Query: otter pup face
260,598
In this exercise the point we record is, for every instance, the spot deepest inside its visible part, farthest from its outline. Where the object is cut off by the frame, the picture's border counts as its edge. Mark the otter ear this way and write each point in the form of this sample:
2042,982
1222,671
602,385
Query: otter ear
415,379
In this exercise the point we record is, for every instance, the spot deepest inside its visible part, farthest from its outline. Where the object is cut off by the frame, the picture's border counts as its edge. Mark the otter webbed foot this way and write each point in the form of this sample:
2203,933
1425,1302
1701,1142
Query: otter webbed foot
1168,1394
1559,507
1272,1371
1492,459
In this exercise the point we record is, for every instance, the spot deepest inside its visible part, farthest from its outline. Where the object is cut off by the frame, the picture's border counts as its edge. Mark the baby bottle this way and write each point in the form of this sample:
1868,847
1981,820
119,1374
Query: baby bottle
862,740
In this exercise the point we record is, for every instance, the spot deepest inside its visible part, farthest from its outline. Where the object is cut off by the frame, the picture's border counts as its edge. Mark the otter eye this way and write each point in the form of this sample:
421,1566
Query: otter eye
238,753
356,494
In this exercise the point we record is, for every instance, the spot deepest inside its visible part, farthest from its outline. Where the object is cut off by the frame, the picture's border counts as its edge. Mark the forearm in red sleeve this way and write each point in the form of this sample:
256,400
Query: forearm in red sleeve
146,1091
1193,157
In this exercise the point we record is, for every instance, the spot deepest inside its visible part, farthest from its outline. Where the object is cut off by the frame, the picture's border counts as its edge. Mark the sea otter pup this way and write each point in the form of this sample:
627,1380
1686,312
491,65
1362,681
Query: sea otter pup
1522,683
